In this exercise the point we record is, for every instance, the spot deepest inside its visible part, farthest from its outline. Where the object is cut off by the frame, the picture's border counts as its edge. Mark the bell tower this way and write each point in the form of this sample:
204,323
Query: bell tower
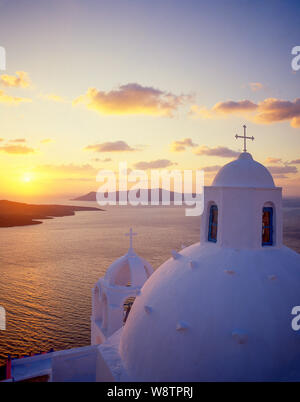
243,208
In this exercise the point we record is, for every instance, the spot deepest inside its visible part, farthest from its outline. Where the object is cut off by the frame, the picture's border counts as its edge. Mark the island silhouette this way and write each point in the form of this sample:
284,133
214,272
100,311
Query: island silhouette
21,214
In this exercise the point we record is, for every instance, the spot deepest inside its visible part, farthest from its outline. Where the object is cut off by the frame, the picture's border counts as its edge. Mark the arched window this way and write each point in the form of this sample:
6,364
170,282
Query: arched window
127,307
267,226
213,224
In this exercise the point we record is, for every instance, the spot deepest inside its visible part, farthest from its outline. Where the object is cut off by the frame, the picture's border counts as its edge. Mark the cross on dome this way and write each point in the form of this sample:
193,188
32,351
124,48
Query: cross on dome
130,234
244,137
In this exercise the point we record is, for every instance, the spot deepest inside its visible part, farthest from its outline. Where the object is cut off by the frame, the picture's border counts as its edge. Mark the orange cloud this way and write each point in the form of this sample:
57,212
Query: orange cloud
13,100
69,169
221,152
234,107
20,80
132,99
221,109
270,110
256,86
181,145
273,110
53,98
282,169
101,160
295,161
46,141
158,164
273,160
117,146
212,169
17,149
18,140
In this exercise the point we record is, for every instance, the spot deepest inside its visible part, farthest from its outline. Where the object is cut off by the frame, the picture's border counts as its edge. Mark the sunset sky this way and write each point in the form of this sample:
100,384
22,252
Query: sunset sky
156,83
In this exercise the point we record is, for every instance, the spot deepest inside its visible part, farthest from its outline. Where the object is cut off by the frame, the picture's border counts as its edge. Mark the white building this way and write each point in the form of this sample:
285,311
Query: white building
219,310
122,282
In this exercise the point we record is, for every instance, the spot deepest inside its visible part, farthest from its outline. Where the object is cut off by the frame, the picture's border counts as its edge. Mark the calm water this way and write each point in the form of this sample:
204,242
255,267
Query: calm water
47,271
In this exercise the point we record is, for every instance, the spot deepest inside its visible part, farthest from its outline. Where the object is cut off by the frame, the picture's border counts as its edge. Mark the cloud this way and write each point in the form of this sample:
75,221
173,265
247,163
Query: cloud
273,160
295,161
69,169
234,107
53,98
132,99
256,86
14,100
101,160
222,152
213,168
282,169
17,149
181,145
157,164
46,141
270,110
20,80
18,140
117,146
1,139
273,110
220,109
280,176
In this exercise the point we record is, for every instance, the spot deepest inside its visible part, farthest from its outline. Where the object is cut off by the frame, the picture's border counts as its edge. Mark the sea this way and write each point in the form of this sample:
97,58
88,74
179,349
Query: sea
47,271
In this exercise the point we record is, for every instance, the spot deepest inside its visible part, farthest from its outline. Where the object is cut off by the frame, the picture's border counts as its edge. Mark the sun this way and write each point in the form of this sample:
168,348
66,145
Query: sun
27,178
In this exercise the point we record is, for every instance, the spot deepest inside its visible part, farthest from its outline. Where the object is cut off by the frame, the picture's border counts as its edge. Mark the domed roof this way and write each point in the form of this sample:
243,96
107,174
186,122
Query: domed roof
244,172
216,314
128,269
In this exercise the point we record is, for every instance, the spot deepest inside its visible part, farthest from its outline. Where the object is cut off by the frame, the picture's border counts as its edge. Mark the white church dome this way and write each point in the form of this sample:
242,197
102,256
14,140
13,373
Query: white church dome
128,269
215,314
221,309
244,172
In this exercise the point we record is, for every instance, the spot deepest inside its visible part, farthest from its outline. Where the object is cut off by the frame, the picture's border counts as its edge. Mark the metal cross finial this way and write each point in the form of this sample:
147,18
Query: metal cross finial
130,234
245,138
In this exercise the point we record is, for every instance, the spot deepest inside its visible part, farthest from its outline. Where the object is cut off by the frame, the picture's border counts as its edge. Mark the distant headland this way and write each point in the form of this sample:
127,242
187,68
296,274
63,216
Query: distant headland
161,194
288,202
20,214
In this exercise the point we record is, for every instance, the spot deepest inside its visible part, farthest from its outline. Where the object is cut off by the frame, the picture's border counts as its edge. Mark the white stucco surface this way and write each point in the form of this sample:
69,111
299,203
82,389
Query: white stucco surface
124,279
215,311
244,172
226,317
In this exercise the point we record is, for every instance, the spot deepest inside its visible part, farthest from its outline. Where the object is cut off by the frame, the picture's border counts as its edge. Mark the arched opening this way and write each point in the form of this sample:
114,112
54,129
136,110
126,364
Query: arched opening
104,312
127,307
267,225
97,303
213,223
123,276
98,340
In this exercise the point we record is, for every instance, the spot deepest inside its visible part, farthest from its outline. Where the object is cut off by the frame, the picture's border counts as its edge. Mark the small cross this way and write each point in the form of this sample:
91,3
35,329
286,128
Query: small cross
130,234
245,138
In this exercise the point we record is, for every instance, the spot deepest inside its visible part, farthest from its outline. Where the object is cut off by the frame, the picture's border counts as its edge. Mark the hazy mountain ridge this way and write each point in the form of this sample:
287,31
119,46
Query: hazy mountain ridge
288,202
21,214
92,196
